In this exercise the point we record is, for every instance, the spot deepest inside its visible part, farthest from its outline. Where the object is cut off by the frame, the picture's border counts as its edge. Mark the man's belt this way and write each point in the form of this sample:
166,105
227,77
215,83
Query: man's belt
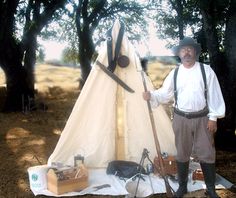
191,115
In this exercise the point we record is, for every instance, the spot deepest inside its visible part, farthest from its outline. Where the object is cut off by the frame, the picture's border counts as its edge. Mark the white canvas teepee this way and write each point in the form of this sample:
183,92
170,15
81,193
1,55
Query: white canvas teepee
108,122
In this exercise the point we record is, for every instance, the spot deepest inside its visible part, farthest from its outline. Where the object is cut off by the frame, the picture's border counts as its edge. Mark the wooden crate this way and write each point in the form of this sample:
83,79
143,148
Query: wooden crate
169,165
198,175
62,181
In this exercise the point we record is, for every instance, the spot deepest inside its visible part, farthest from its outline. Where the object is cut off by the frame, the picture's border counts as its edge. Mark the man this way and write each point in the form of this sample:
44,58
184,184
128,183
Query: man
198,104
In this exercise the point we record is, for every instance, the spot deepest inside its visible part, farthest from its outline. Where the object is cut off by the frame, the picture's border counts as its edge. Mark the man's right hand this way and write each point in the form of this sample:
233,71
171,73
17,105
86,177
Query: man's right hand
146,95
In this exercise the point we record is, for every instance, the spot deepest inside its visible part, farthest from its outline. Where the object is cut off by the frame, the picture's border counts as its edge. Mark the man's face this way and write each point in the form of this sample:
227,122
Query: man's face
187,54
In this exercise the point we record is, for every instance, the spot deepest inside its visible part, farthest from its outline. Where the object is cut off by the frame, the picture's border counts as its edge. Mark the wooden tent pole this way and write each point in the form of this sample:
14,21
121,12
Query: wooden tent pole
157,144
120,134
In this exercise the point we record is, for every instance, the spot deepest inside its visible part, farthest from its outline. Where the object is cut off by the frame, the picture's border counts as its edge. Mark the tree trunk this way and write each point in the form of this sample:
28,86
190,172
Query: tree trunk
18,92
19,96
18,58
30,60
178,6
11,55
228,134
19,78
223,67
86,46
86,51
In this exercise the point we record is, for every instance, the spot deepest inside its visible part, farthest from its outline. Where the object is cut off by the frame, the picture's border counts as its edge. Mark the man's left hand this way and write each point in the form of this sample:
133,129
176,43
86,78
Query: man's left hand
212,126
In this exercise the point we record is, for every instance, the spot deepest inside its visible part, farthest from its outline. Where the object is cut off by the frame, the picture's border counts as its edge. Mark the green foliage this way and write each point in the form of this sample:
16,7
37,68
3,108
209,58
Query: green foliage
100,15
172,14
70,56
187,13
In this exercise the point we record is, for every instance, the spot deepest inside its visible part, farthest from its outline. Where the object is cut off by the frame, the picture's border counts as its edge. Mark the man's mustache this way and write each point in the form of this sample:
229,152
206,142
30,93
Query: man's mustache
187,56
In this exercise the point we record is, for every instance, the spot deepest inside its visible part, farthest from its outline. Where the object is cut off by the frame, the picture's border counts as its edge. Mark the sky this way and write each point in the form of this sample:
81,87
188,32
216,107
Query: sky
156,47
53,49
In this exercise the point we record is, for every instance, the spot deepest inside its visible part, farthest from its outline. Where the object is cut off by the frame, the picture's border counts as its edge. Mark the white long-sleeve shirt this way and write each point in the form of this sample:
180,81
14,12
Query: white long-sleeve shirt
190,91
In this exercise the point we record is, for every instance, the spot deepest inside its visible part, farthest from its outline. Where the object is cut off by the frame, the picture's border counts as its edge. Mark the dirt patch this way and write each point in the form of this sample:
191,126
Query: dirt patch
27,139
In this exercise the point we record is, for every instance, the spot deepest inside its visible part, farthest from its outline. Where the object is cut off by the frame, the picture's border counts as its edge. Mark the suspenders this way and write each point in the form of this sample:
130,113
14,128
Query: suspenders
204,80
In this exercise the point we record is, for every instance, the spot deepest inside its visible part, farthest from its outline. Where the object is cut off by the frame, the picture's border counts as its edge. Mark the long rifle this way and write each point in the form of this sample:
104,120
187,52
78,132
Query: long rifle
158,148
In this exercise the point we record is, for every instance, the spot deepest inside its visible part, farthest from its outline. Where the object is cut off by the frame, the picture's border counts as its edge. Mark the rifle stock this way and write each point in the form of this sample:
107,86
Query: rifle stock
157,144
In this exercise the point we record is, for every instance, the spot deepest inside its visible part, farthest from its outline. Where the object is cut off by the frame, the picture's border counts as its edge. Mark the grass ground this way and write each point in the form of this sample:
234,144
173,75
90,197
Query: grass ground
27,139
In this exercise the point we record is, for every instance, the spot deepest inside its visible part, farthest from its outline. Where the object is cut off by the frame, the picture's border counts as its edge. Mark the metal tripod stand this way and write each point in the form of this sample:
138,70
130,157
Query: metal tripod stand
144,156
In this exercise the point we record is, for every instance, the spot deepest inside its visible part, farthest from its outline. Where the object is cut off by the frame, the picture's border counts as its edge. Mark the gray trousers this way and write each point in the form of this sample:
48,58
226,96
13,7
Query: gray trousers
192,138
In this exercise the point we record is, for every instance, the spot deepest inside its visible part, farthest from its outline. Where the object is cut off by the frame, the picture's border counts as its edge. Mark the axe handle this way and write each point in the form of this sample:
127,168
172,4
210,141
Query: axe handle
157,144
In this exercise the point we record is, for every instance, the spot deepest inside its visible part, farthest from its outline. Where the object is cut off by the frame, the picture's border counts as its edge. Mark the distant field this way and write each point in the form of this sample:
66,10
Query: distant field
158,72
47,76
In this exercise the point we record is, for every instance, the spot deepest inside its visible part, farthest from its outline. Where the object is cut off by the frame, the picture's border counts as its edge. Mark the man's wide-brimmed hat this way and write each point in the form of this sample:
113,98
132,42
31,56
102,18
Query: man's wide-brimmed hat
187,41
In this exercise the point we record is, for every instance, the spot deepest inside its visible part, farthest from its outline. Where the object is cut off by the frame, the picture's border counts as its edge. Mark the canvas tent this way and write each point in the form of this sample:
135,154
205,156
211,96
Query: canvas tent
107,121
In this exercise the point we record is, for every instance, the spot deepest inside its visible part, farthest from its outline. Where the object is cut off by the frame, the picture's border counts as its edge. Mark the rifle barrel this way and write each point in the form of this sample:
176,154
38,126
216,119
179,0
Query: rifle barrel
157,144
